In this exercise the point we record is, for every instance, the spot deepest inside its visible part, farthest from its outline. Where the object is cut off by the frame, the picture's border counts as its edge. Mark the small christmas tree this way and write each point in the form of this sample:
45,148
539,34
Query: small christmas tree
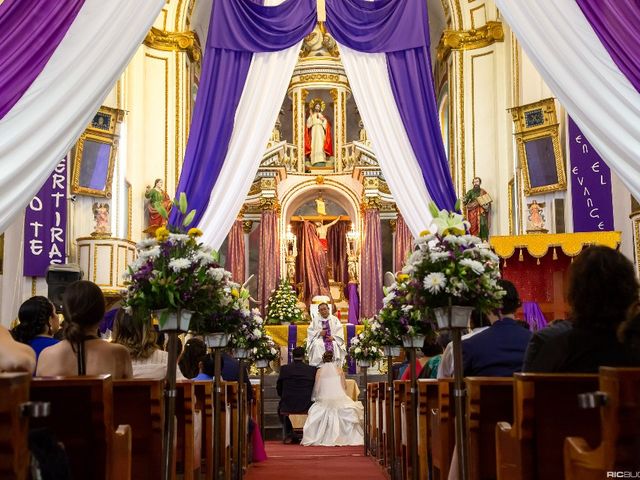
283,305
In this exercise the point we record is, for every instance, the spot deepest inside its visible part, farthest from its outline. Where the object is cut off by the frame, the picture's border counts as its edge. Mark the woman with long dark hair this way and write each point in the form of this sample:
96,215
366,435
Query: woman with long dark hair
83,352
38,322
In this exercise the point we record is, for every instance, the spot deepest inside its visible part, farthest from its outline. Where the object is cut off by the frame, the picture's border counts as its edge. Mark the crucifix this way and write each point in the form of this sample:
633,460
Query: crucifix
322,10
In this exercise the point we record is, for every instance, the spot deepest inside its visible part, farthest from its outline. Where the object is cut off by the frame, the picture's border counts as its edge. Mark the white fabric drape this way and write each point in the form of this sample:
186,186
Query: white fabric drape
369,80
264,91
573,62
45,123
13,282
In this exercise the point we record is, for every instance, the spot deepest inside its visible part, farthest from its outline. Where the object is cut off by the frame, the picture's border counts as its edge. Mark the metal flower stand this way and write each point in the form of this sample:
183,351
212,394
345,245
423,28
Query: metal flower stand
364,366
262,366
217,341
390,352
410,345
172,323
240,354
456,319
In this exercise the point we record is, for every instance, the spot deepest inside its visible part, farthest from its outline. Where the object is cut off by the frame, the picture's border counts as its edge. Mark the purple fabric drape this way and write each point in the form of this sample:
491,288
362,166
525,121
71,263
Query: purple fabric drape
371,264
337,240
534,316
616,22
237,29
400,29
311,264
30,31
354,304
235,252
269,257
403,243
292,341
351,363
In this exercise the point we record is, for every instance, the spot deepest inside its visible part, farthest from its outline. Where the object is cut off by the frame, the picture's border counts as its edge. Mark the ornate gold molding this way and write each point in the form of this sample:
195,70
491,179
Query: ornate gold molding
538,245
394,225
480,37
371,203
267,204
247,225
174,42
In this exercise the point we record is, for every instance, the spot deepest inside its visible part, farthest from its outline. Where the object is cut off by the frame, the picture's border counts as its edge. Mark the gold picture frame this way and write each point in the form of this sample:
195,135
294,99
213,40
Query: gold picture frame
95,153
538,144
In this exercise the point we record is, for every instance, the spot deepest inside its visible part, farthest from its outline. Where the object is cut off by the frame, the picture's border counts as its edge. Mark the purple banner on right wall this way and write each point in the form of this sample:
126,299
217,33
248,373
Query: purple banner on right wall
590,185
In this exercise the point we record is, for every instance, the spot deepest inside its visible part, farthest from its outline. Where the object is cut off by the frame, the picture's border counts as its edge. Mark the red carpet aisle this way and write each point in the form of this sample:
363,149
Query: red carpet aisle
293,462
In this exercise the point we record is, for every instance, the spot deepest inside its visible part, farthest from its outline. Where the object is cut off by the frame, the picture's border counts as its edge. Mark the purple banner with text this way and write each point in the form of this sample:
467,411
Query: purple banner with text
590,185
45,225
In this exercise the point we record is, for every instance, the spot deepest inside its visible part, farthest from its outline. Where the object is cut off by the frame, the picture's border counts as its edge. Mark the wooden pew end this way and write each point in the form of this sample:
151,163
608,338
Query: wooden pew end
122,453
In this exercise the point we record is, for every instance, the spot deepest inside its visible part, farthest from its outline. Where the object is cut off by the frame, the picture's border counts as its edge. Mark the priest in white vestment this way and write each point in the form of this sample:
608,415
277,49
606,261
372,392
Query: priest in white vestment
325,334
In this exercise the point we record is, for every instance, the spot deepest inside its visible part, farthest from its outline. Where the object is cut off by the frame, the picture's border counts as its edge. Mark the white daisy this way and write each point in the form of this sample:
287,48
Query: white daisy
434,282
474,265
178,264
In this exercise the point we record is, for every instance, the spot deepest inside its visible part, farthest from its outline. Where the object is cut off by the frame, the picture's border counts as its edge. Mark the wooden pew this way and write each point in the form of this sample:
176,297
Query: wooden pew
443,429
189,431
404,428
383,424
203,391
489,401
139,404
427,400
372,399
82,419
545,411
14,426
620,430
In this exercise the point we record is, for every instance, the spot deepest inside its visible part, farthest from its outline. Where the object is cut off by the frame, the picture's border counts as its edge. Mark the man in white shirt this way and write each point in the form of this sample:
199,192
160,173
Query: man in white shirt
325,334
445,370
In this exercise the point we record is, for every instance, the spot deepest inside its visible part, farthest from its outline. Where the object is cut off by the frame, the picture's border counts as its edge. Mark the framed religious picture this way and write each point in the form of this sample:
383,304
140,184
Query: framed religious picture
94,154
539,151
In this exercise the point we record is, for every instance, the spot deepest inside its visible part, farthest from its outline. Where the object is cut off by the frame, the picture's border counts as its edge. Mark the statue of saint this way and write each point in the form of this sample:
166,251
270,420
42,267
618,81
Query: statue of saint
318,145
157,198
478,203
536,217
101,217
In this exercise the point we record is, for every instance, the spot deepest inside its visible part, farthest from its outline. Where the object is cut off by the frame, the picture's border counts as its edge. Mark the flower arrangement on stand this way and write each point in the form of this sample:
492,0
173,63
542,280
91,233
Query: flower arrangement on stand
247,336
365,348
452,268
176,279
282,307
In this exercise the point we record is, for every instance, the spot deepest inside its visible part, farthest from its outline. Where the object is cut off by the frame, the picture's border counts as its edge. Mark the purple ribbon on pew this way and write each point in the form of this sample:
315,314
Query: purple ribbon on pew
292,341
351,332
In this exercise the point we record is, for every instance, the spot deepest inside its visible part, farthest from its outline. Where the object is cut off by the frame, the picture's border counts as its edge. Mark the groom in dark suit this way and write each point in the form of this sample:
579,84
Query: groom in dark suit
294,386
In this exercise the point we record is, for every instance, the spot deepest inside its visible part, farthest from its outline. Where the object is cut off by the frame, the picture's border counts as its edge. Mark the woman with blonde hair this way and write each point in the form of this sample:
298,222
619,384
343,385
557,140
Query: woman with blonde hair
147,359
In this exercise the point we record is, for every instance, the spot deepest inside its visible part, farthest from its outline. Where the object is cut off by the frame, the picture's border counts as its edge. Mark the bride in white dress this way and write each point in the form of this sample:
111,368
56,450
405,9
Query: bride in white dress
333,419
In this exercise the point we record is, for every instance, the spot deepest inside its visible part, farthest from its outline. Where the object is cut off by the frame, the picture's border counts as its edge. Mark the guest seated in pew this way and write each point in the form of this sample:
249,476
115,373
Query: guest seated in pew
38,323
541,337
499,350
477,325
429,349
602,291
434,352
192,354
294,387
147,359
230,372
15,356
207,368
82,352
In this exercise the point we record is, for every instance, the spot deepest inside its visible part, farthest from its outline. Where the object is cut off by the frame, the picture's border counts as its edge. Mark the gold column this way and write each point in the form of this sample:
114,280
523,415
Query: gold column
298,98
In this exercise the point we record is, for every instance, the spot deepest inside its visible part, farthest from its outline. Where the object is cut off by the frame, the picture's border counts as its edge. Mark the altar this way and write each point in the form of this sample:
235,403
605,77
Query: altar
295,335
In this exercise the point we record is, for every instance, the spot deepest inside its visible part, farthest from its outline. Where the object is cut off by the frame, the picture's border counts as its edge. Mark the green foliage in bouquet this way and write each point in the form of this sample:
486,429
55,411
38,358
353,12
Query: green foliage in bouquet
249,331
283,305
266,349
365,346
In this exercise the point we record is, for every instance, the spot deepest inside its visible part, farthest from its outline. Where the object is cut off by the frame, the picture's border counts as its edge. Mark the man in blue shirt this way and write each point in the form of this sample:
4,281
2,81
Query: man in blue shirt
499,350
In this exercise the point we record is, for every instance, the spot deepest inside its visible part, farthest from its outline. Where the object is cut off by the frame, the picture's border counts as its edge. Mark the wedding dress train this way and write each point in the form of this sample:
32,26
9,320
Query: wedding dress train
333,419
